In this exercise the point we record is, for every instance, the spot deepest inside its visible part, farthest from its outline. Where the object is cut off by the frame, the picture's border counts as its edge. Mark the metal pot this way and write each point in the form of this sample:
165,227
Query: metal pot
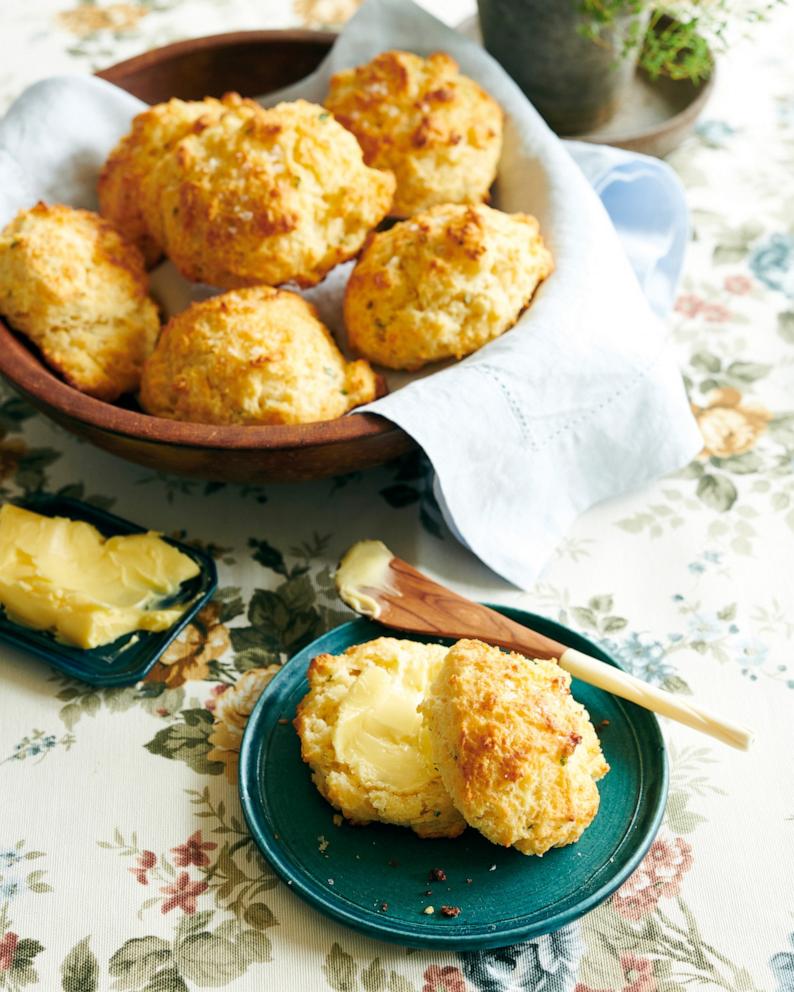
576,83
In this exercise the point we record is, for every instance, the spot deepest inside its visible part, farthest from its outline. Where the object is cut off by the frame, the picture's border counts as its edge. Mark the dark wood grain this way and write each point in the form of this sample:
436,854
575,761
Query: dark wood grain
249,62
420,606
252,63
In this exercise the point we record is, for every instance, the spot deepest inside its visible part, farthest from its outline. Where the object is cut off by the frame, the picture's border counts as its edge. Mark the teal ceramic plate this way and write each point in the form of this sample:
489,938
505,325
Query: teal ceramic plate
128,659
349,872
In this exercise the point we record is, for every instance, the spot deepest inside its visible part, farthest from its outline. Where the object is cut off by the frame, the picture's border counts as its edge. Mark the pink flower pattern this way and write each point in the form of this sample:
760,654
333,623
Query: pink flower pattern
216,692
183,894
193,851
444,979
8,946
715,313
660,874
740,285
690,305
639,972
146,861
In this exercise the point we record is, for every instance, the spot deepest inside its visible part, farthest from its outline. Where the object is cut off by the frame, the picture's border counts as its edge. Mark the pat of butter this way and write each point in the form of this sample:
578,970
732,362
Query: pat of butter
365,566
63,575
380,733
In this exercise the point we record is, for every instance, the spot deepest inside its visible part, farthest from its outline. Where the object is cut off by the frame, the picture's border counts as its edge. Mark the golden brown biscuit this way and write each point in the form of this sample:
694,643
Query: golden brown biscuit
516,752
435,129
153,132
79,291
443,284
265,196
365,741
252,356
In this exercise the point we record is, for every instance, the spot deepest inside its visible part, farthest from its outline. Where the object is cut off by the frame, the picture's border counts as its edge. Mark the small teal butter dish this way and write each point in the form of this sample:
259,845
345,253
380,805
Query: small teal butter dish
129,658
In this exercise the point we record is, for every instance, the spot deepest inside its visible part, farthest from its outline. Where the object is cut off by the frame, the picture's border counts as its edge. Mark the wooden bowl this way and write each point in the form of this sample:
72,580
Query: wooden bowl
252,63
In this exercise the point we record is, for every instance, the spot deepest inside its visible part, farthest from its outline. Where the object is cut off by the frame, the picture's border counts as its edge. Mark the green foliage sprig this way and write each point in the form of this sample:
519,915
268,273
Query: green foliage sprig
676,49
680,37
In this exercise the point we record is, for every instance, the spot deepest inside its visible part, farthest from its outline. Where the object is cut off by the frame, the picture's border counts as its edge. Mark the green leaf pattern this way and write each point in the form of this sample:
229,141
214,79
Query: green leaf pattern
677,581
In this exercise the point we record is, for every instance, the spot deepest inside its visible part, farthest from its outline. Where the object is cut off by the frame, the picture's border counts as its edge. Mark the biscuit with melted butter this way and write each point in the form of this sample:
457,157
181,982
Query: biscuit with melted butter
434,128
252,356
264,196
443,284
516,752
79,291
365,740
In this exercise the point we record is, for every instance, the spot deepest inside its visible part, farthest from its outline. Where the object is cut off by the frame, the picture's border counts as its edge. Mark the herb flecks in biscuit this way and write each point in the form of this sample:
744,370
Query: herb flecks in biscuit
443,284
153,133
78,290
252,356
264,196
437,130
516,752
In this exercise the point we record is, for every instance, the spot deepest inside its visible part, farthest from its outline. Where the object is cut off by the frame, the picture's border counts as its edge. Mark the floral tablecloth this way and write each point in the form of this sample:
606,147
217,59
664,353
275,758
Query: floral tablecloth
124,862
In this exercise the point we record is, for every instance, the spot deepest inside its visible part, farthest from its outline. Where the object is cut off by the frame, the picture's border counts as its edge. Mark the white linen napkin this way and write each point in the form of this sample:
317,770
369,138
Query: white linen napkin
580,401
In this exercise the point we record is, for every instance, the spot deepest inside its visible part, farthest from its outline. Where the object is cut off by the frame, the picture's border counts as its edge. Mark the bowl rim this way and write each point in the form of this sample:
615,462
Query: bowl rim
28,373
223,39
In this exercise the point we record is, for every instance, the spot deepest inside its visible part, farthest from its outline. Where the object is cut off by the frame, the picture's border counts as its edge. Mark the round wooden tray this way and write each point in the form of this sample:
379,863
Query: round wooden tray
252,63
655,115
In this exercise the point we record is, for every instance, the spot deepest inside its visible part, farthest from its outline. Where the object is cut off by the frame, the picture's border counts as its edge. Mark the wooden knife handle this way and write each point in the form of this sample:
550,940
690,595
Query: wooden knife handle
598,673
439,610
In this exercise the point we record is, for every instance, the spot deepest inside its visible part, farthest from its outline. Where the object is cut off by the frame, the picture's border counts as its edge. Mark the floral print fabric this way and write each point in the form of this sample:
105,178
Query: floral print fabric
124,859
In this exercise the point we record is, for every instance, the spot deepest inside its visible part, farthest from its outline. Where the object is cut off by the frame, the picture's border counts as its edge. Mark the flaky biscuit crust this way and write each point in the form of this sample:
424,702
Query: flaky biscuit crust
443,284
79,291
438,131
430,812
252,356
265,196
516,752
153,132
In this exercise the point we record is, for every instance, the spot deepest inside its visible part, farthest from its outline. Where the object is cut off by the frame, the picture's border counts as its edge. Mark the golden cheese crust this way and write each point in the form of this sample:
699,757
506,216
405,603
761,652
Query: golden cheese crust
153,132
427,810
443,284
79,291
435,129
516,752
252,356
264,196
